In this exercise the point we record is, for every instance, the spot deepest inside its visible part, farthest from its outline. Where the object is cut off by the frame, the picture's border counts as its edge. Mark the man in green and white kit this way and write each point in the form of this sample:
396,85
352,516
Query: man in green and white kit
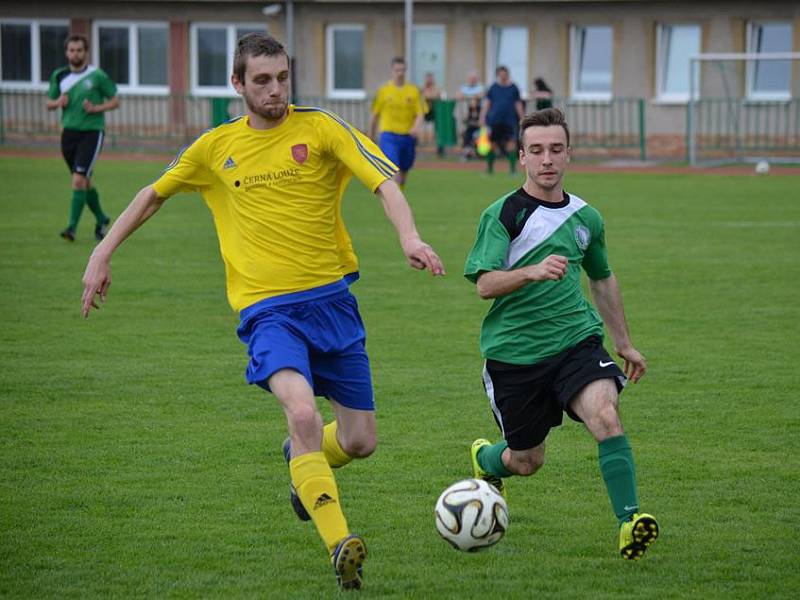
542,340
84,93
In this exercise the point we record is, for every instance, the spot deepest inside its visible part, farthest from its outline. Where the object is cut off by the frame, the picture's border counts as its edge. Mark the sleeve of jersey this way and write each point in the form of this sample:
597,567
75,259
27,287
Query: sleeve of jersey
595,259
53,92
377,103
361,155
490,248
108,86
187,173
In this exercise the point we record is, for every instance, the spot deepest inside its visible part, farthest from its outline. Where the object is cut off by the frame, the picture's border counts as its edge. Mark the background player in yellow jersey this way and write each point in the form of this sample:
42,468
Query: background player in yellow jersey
398,110
273,180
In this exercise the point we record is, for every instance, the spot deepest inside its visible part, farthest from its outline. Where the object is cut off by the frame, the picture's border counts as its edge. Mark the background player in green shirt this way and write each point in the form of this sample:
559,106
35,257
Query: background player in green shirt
84,93
542,340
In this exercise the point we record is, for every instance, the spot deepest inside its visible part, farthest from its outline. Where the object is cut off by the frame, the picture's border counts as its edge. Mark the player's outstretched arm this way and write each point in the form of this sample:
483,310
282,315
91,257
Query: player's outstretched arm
97,277
608,299
419,254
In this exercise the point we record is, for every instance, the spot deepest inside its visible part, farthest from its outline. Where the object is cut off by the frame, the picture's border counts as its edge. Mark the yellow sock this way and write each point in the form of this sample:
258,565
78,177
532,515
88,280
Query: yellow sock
313,479
331,447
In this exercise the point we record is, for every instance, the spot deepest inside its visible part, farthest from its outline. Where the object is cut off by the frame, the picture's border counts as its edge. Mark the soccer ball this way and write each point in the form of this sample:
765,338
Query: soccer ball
471,515
762,167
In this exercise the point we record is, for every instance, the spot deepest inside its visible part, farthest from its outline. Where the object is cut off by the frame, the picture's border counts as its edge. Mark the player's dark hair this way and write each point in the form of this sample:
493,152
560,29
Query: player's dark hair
542,118
398,60
500,68
255,44
76,37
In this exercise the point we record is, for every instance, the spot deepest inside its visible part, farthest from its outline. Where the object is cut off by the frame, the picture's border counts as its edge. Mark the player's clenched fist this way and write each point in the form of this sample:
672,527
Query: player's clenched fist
553,267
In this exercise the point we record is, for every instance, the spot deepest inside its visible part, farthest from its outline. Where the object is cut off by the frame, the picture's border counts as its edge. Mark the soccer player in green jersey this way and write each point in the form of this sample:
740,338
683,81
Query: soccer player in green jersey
542,340
84,93
274,180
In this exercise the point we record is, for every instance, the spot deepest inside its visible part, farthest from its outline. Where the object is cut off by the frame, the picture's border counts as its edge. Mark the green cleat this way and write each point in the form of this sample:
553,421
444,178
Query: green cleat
479,473
636,535
347,560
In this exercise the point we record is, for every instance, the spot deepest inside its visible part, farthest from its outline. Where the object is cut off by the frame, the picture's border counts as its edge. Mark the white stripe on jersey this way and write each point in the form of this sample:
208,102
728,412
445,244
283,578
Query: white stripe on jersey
72,79
539,227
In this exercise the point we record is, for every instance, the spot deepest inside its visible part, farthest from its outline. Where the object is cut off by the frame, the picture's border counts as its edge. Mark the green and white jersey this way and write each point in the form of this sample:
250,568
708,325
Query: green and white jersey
542,318
90,84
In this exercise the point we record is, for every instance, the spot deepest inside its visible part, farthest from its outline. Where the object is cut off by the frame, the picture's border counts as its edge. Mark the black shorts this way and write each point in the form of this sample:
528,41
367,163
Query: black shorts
529,400
501,133
80,150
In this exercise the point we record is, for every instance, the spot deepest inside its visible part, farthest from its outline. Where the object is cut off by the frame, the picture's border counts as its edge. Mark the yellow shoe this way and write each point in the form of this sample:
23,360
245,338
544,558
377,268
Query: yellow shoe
636,535
479,473
347,560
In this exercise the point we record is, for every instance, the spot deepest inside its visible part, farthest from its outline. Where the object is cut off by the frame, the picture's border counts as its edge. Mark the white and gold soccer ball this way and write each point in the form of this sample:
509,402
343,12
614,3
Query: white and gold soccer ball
762,167
471,515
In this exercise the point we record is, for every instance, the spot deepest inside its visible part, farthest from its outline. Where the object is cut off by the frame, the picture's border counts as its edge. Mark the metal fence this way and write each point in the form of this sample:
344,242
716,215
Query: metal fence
723,130
164,123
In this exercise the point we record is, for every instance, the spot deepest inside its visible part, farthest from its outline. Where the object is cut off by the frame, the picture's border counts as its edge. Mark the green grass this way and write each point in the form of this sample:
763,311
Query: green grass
135,461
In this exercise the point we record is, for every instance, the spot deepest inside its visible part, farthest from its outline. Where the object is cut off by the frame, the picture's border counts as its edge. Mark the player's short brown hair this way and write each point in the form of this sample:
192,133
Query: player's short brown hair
542,118
76,37
255,44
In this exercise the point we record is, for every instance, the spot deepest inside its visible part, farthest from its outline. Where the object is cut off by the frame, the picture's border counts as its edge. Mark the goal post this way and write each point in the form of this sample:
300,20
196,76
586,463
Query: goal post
743,107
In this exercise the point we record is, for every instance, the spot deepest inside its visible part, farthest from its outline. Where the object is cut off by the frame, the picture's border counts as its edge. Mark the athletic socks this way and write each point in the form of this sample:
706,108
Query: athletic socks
93,201
490,161
76,208
331,448
490,459
512,162
619,473
314,482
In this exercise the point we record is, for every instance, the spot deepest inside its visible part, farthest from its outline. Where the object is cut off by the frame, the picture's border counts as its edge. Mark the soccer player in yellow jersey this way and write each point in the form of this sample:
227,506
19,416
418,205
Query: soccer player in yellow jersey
398,110
273,180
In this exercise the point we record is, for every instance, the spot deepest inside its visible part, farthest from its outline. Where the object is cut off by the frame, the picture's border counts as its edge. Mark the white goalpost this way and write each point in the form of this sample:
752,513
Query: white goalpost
743,107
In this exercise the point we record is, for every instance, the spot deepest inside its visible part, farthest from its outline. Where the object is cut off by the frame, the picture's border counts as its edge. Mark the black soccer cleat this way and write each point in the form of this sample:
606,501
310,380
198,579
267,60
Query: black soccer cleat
101,229
297,505
68,234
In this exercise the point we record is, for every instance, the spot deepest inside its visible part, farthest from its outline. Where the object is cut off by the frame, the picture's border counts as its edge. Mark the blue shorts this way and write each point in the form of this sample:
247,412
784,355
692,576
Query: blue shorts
400,149
318,333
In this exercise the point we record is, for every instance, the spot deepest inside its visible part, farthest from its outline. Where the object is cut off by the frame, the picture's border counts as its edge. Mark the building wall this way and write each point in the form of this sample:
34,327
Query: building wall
634,24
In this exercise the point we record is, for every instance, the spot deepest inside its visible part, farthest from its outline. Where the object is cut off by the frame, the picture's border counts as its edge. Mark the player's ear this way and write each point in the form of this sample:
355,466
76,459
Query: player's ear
237,85
569,153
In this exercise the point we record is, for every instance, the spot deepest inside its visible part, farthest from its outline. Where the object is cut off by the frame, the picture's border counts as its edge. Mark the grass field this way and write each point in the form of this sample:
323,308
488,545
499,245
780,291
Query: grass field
136,461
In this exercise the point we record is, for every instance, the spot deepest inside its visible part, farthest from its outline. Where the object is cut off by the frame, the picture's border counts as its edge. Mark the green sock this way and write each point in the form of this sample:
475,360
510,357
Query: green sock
512,161
490,161
76,208
93,202
619,473
490,459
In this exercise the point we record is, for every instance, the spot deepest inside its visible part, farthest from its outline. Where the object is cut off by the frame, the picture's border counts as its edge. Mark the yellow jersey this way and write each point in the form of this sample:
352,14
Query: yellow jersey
398,107
276,195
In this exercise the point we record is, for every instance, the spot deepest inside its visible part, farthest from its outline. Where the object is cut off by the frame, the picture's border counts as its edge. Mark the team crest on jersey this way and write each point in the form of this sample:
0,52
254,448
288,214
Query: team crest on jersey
87,83
300,153
583,237
229,164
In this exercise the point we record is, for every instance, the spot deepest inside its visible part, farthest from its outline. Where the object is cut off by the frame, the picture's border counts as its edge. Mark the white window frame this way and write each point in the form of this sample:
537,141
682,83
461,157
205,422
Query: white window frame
132,87
330,91
574,63
522,82
35,83
216,91
750,71
673,97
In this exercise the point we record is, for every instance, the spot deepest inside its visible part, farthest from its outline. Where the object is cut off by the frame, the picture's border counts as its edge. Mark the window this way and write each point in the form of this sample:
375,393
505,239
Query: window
676,44
31,50
769,79
428,53
213,45
508,47
591,62
133,54
345,61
